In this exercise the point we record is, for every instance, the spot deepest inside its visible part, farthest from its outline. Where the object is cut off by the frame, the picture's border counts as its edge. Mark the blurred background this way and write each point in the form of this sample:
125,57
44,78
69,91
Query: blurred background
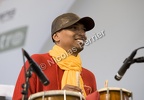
27,24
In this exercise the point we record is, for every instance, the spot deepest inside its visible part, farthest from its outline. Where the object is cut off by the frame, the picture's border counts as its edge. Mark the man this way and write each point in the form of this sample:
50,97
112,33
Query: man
62,65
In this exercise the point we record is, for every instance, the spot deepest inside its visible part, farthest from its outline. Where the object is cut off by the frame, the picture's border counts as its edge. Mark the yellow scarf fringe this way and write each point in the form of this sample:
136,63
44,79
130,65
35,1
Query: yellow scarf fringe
72,66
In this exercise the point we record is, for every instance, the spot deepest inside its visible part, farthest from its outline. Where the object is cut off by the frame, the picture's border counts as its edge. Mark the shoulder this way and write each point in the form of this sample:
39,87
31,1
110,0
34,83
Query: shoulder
43,60
42,56
87,72
84,70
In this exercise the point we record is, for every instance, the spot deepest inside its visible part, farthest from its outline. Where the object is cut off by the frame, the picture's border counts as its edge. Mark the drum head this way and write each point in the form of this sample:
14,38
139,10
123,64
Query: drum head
57,95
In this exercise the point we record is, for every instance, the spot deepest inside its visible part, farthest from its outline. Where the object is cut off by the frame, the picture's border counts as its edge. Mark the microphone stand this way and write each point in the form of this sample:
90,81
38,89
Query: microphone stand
137,60
25,86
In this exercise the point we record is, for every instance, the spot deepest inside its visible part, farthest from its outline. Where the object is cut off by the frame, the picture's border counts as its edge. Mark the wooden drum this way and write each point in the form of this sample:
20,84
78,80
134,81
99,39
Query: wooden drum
114,93
57,95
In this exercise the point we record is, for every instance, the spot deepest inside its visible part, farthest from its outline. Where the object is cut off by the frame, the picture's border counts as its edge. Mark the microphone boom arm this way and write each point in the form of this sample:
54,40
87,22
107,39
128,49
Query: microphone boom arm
127,62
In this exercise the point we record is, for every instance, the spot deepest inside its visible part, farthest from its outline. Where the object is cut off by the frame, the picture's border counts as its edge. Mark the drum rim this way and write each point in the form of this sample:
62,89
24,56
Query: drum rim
116,89
53,93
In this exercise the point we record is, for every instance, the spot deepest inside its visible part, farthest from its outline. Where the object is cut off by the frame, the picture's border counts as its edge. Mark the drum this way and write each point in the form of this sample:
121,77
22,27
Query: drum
114,93
57,95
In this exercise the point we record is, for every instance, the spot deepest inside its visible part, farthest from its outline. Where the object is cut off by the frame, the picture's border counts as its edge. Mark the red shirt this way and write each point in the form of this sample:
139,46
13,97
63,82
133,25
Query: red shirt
54,75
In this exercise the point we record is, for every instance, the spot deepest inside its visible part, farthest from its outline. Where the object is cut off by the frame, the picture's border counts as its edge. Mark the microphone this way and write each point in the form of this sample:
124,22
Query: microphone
36,69
126,64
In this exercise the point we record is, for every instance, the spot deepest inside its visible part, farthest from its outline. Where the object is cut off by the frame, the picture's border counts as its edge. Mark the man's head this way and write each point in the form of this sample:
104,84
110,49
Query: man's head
68,30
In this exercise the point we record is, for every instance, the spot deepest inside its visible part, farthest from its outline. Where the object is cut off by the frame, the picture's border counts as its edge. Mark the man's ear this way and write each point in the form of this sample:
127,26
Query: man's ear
56,37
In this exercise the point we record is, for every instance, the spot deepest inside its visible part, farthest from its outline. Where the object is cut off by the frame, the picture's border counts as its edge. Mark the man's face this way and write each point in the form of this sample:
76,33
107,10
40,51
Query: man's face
72,37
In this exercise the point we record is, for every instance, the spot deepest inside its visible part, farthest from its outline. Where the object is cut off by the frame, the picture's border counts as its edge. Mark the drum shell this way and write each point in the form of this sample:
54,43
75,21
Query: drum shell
114,94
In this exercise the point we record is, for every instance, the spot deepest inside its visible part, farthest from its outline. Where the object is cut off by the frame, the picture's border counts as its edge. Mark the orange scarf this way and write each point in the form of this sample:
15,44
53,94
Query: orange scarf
72,66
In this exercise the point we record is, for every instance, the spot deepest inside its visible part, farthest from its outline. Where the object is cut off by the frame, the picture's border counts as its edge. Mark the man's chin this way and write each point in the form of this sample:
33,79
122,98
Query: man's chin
80,49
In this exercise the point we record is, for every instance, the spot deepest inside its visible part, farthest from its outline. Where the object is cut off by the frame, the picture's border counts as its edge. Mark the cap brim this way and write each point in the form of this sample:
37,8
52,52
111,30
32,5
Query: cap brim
87,22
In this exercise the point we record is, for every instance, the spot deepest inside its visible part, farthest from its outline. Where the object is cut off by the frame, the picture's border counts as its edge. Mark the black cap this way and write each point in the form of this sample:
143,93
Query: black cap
68,19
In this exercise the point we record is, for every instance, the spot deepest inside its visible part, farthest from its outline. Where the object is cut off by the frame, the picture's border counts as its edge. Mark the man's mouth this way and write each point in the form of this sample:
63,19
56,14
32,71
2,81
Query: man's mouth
81,42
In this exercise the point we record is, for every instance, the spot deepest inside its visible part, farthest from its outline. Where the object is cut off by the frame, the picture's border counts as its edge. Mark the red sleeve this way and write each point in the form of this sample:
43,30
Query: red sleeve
93,96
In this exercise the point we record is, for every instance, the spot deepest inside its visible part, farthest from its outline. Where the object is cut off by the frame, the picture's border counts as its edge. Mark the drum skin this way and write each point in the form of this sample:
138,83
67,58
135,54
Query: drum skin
114,94
56,95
